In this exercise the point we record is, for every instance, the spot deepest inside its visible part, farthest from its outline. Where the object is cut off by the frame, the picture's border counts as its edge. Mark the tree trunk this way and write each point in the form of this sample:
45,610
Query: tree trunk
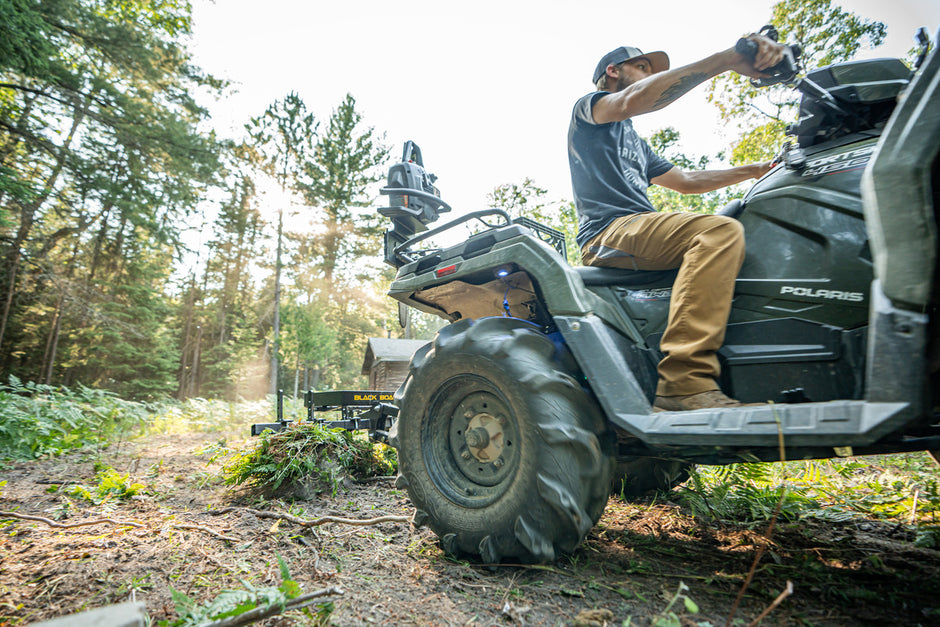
99,242
194,371
27,218
277,304
184,352
296,376
52,343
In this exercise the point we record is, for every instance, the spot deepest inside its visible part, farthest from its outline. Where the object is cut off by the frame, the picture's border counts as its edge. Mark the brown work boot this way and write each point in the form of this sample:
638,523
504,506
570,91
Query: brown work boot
702,400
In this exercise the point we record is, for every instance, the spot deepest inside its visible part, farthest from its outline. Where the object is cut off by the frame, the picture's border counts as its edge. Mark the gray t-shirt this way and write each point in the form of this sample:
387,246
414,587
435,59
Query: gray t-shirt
611,168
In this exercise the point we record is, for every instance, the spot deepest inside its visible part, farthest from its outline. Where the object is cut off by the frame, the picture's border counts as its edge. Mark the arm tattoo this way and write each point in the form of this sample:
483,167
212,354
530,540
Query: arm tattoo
683,85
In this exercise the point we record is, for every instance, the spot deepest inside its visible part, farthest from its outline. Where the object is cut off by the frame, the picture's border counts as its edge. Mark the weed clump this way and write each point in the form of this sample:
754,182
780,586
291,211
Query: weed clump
111,485
307,459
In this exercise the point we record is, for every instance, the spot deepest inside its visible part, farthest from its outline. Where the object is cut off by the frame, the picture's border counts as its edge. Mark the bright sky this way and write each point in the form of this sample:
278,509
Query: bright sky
485,88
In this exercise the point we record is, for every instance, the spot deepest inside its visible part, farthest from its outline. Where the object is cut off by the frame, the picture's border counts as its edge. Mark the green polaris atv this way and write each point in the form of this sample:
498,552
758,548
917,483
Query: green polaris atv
517,420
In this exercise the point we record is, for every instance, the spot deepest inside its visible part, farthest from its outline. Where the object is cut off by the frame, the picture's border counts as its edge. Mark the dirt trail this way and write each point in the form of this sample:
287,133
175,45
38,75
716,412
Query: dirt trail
854,573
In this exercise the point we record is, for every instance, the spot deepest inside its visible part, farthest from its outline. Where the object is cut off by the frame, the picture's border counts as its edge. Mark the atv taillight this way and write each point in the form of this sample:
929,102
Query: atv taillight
445,271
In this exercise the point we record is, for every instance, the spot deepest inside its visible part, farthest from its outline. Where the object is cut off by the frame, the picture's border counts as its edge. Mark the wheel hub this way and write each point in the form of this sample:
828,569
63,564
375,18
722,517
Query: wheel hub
484,437
483,440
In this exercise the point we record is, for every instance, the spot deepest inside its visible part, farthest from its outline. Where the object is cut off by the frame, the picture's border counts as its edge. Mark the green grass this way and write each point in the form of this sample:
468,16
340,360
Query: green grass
200,415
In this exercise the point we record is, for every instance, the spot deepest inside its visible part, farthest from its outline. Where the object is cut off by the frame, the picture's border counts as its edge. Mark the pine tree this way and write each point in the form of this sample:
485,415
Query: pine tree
336,180
230,331
283,138
99,152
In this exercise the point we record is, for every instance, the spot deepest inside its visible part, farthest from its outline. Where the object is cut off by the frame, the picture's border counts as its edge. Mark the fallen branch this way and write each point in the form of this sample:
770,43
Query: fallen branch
119,523
316,522
214,534
57,525
224,510
260,613
770,608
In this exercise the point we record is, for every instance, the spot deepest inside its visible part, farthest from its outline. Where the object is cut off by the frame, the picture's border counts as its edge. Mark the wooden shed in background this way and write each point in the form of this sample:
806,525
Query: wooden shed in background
386,362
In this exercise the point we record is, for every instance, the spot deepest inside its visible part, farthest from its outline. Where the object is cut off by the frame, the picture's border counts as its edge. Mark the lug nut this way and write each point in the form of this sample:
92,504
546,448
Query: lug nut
477,438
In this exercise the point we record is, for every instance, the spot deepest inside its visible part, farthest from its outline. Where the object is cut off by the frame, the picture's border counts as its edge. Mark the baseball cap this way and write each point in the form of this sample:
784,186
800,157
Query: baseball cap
659,61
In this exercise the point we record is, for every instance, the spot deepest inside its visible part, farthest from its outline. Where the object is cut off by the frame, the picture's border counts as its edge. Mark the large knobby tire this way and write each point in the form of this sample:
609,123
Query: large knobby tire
503,453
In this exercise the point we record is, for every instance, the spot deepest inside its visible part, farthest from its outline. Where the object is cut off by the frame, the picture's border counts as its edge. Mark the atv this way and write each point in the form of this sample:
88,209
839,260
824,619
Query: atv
518,419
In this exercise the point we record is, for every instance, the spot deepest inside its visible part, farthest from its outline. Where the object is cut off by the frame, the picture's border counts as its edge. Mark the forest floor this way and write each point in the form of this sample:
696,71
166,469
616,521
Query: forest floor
639,566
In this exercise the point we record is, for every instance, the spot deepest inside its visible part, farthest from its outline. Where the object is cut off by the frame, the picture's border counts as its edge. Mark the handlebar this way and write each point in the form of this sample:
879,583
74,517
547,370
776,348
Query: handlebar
783,72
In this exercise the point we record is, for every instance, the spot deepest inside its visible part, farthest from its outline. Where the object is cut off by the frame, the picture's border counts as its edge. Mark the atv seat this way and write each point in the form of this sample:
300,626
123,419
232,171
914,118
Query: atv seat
593,275
733,209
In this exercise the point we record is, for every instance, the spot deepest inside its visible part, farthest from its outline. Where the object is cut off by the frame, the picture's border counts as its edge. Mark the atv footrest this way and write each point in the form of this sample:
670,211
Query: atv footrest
836,423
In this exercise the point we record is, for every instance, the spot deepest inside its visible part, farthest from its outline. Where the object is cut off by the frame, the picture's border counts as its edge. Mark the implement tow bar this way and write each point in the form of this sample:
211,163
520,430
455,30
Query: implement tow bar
360,410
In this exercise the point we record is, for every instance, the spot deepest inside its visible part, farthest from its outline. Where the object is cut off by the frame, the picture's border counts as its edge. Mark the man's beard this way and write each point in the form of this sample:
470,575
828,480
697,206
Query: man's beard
623,82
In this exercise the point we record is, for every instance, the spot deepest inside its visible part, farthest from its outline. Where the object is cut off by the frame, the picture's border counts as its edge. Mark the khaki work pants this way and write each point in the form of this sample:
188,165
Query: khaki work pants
709,251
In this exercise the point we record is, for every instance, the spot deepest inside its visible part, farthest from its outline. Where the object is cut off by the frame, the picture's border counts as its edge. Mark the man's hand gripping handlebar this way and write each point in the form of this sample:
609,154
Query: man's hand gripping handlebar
783,72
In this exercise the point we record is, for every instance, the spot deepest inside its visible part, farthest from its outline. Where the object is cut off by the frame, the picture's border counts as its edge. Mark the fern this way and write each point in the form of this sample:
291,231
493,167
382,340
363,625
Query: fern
903,488
230,603
41,420
111,485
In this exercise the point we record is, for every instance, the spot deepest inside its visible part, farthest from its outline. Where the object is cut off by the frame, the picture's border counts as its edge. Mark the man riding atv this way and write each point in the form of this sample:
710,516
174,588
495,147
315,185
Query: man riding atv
611,168
518,419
